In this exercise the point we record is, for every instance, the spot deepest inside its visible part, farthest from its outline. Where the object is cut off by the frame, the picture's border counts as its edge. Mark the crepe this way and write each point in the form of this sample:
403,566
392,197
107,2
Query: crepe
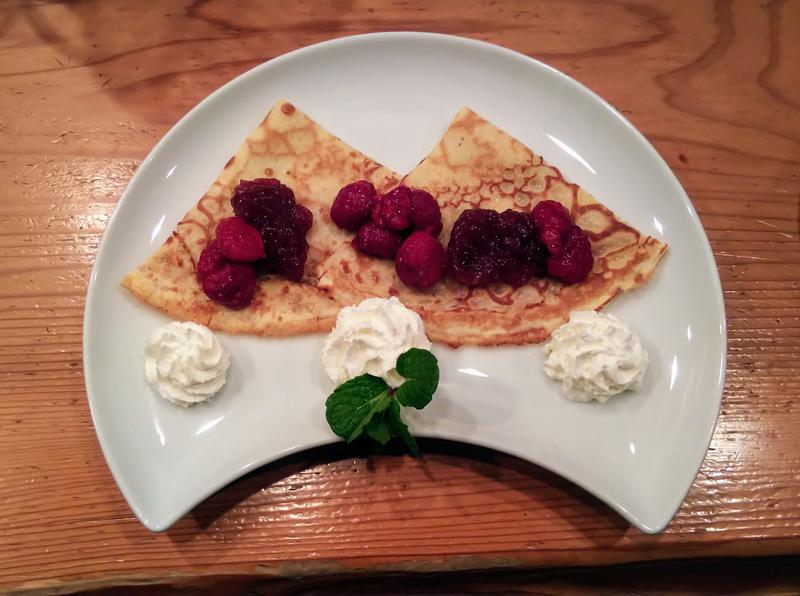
289,146
476,164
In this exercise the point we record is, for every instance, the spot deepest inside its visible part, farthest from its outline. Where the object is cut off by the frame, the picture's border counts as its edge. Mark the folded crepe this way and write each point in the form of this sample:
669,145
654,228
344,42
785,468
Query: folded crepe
475,164
291,147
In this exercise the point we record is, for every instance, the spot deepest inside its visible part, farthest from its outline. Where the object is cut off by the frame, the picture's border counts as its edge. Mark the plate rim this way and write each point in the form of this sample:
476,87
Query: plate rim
101,256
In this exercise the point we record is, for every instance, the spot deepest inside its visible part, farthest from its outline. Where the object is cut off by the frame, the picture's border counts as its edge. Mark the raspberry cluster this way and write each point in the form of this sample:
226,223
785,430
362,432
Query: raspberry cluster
513,247
402,225
267,234
485,246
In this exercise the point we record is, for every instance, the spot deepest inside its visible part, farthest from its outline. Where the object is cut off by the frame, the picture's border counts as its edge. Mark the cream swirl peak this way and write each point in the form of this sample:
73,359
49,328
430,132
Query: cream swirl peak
369,337
185,363
595,356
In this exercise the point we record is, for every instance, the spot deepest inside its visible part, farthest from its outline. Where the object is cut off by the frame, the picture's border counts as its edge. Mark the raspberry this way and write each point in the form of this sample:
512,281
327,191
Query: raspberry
514,230
421,260
575,261
425,213
269,206
211,260
520,255
231,284
353,205
261,200
489,247
570,251
376,241
303,218
468,252
286,251
552,221
239,241
393,210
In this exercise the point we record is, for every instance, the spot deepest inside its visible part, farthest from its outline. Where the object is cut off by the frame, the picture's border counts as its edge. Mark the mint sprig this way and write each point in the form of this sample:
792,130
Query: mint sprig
352,405
379,428
367,405
399,429
421,371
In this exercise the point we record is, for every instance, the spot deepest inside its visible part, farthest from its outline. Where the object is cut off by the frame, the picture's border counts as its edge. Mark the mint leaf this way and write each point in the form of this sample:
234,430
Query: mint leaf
352,405
421,371
367,404
399,428
379,429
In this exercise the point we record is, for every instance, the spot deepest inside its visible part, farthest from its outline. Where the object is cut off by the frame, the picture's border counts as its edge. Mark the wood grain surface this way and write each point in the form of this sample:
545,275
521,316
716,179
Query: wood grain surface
87,88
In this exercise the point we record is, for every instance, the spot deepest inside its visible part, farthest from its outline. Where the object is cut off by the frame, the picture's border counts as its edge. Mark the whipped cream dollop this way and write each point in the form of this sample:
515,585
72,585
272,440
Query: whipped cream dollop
185,363
369,337
595,356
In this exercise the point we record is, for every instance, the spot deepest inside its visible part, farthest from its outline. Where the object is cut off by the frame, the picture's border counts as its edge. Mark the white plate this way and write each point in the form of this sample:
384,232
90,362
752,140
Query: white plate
392,95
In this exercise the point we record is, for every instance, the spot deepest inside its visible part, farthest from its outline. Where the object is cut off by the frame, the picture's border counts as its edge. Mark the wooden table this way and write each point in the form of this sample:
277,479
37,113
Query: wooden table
86,90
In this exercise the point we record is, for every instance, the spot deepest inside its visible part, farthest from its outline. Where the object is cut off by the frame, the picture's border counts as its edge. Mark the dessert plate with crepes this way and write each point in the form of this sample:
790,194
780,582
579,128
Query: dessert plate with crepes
529,133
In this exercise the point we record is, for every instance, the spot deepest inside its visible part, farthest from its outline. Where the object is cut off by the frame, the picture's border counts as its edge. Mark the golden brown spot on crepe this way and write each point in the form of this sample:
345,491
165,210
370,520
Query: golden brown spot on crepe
393,291
180,239
203,207
535,185
203,227
530,295
505,299
551,298
300,140
521,199
595,220
375,277
268,171
345,267
284,290
359,277
615,238
620,259
518,146
278,146
287,108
